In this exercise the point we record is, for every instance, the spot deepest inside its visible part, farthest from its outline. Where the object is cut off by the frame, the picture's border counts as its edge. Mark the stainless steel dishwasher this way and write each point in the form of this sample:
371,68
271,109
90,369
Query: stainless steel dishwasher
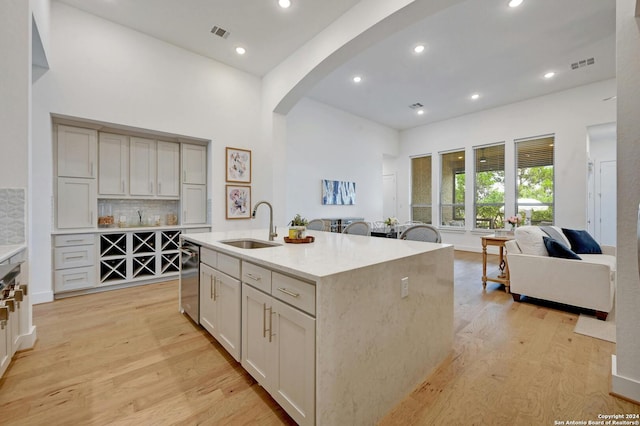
189,280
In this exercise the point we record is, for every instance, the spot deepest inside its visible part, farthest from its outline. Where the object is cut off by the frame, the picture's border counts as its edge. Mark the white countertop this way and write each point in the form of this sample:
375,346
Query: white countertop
331,253
9,250
126,229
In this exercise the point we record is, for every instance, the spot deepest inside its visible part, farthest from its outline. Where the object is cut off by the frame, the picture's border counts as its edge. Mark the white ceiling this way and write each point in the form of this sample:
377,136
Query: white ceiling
478,46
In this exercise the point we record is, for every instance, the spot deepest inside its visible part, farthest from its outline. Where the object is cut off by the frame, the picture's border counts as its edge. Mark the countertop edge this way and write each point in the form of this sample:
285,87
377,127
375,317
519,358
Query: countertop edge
6,252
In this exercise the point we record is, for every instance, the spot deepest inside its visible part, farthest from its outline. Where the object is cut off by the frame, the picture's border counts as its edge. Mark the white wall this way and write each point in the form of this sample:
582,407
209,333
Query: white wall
106,72
566,114
626,372
327,143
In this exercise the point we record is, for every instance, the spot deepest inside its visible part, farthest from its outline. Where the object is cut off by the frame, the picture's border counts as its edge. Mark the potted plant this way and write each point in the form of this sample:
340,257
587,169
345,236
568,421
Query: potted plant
391,222
298,227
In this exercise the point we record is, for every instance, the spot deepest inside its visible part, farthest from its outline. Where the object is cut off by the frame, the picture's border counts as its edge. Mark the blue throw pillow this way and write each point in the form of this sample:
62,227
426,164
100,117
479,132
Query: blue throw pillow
582,242
557,249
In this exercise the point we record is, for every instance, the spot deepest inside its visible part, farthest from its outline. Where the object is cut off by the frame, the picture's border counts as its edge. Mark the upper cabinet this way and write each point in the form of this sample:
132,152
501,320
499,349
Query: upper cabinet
194,164
77,152
113,170
168,183
143,167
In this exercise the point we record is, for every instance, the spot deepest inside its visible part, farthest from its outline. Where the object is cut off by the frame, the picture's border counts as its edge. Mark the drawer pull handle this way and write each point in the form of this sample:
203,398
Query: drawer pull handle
290,293
74,279
74,257
75,241
254,277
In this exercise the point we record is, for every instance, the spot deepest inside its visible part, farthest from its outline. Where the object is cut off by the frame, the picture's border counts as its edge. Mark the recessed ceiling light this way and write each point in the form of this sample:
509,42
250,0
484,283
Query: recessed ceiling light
515,3
240,50
420,112
549,74
475,96
357,79
284,3
419,48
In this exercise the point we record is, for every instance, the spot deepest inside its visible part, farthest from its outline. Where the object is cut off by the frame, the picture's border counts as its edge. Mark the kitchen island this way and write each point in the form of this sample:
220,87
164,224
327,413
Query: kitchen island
373,342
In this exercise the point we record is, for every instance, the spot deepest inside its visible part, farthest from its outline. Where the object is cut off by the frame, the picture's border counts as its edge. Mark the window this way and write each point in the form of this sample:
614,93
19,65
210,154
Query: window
421,189
452,189
535,186
489,187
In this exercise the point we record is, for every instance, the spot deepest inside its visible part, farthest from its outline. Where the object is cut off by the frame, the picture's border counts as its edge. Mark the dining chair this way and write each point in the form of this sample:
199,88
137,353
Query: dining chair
358,228
422,232
317,225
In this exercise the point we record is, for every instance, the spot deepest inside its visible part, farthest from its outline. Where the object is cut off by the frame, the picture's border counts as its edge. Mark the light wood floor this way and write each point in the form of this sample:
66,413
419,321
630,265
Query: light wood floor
129,357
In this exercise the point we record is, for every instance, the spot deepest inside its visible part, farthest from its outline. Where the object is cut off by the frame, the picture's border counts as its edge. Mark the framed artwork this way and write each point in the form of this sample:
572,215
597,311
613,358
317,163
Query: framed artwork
238,165
238,202
338,192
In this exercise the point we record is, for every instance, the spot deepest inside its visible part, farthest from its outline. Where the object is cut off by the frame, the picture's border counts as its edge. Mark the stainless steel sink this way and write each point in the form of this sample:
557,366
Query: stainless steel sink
250,244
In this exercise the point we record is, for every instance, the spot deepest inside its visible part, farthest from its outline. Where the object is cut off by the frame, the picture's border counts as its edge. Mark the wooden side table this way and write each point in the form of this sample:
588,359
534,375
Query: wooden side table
503,276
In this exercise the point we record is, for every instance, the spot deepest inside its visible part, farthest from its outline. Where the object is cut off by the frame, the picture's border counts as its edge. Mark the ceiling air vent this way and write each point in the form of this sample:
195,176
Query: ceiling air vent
416,105
220,32
582,63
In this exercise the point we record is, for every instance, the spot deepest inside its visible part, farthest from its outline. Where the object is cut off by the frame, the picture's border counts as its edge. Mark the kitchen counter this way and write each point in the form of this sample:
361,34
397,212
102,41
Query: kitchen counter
330,254
131,228
6,252
373,345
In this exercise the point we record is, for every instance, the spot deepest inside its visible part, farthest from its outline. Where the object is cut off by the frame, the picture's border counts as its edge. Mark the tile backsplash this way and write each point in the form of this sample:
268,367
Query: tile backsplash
130,208
12,216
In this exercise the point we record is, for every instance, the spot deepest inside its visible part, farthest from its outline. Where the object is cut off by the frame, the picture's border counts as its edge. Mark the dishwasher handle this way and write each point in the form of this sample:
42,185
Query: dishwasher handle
188,252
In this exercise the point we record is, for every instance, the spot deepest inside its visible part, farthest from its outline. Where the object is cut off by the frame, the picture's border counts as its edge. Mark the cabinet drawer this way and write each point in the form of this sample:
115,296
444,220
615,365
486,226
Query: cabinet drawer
209,257
74,256
74,240
297,293
75,279
229,265
257,276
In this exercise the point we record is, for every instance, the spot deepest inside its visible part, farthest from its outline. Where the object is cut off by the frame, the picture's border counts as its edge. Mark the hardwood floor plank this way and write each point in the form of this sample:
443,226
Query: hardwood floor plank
128,357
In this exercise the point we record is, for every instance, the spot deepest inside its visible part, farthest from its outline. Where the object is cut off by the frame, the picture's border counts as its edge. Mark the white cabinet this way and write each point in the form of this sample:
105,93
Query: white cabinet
5,339
77,152
168,181
194,164
278,343
220,301
74,262
194,204
76,203
142,171
113,164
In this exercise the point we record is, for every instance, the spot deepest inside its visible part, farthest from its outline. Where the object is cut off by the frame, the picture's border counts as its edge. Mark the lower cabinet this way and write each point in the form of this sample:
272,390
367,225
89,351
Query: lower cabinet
278,350
220,308
74,258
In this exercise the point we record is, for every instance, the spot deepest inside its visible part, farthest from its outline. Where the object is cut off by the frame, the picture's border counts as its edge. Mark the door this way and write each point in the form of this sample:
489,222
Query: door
77,152
194,204
194,164
207,298
113,160
293,362
77,201
256,318
168,169
606,203
227,300
389,194
143,166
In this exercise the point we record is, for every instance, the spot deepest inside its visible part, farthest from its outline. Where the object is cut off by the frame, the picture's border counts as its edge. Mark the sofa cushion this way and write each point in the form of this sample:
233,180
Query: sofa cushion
556,249
582,242
556,233
530,240
601,259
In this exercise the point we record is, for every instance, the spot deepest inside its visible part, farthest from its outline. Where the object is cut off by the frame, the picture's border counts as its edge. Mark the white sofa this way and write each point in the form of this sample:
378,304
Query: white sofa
587,283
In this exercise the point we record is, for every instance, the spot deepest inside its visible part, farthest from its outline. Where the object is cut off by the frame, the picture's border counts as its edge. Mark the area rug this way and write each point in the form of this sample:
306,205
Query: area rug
603,330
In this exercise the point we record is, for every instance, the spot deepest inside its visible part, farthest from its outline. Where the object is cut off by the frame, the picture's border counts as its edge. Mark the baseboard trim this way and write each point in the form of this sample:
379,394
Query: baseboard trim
44,297
28,340
623,387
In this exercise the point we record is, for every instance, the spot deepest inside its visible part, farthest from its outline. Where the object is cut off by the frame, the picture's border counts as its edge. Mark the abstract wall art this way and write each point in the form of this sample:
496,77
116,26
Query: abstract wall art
338,192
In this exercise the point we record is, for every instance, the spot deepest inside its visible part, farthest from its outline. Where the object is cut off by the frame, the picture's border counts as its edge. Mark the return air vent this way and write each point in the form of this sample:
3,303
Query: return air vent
582,63
220,32
416,105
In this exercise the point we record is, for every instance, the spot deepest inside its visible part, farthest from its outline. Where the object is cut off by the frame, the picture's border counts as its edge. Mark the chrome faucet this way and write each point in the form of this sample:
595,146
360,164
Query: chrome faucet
272,230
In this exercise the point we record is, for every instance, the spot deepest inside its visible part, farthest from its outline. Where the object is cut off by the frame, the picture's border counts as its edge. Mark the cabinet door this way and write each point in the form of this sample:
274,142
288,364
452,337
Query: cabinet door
194,164
77,152
292,362
5,356
207,299
194,204
256,317
113,162
75,279
168,169
77,201
227,300
142,171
